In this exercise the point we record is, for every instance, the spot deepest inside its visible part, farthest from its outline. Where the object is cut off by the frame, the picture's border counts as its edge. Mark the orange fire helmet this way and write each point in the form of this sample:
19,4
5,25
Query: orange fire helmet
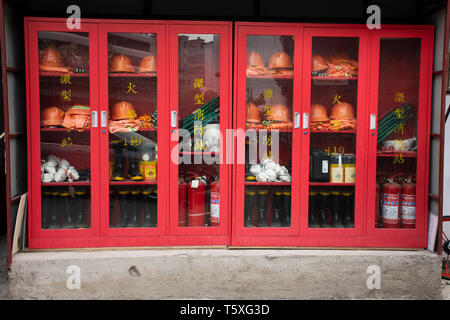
123,110
121,63
52,116
148,64
279,113
253,113
254,59
318,63
280,60
318,113
342,111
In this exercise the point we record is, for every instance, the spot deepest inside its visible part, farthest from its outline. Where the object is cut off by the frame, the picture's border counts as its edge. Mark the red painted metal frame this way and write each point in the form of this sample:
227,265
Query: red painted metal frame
8,200
242,236
34,146
220,233
162,167
402,237
336,236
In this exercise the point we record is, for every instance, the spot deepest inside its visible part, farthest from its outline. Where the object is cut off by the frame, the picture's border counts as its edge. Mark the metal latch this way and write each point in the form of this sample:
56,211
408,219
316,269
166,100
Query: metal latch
305,120
173,119
94,119
297,120
104,119
373,121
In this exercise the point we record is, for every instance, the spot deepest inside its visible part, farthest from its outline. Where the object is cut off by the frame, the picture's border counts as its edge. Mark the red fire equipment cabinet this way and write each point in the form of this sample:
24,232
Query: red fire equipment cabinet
138,138
121,113
337,121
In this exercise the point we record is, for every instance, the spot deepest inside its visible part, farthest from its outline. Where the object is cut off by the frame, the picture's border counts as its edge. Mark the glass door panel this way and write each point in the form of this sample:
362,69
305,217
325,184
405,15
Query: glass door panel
200,138
268,135
132,123
333,123
65,122
398,109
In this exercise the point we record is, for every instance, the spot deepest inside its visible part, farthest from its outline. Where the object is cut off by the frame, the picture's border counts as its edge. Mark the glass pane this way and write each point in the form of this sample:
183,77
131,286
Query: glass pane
333,111
65,122
132,129
269,109
398,103
66,207
199,124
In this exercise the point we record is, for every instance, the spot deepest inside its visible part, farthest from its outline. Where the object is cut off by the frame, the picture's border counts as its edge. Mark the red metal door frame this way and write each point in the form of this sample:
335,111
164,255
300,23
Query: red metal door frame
336,236
57,238
202,235
282,236
402,237
162,106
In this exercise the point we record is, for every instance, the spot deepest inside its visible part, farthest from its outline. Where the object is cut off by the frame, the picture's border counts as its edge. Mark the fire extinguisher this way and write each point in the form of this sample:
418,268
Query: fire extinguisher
182,189
196,202
408,195
377,205
391,204
215,201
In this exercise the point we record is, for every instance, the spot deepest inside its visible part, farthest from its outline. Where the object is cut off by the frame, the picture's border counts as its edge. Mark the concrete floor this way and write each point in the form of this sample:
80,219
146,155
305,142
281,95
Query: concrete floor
445,289
3,269
445,284
225,274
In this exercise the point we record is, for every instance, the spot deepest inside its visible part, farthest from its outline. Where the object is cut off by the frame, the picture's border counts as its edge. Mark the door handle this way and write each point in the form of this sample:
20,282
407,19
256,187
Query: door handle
373,121
305,120
297,120
104,119
94,119
173,119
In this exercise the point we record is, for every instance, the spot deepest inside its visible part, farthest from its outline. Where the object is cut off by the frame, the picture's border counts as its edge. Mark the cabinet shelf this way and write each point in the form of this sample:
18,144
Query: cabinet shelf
247,183
333,131
62,130
319,184
133,75
333,78
59,74
397,154
271,77
198,153
147,129
129,182
66,183
269,130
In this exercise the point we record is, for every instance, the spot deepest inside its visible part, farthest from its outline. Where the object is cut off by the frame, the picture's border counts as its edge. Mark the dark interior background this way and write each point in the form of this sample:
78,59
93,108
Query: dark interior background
342,11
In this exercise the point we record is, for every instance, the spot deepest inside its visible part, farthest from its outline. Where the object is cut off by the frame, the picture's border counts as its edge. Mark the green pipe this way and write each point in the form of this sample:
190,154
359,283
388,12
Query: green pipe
206,109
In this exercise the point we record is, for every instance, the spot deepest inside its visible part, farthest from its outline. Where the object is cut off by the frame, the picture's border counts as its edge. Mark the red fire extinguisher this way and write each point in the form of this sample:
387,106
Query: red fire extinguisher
408,195
182,189
377,205
196,202
215,201
391,204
